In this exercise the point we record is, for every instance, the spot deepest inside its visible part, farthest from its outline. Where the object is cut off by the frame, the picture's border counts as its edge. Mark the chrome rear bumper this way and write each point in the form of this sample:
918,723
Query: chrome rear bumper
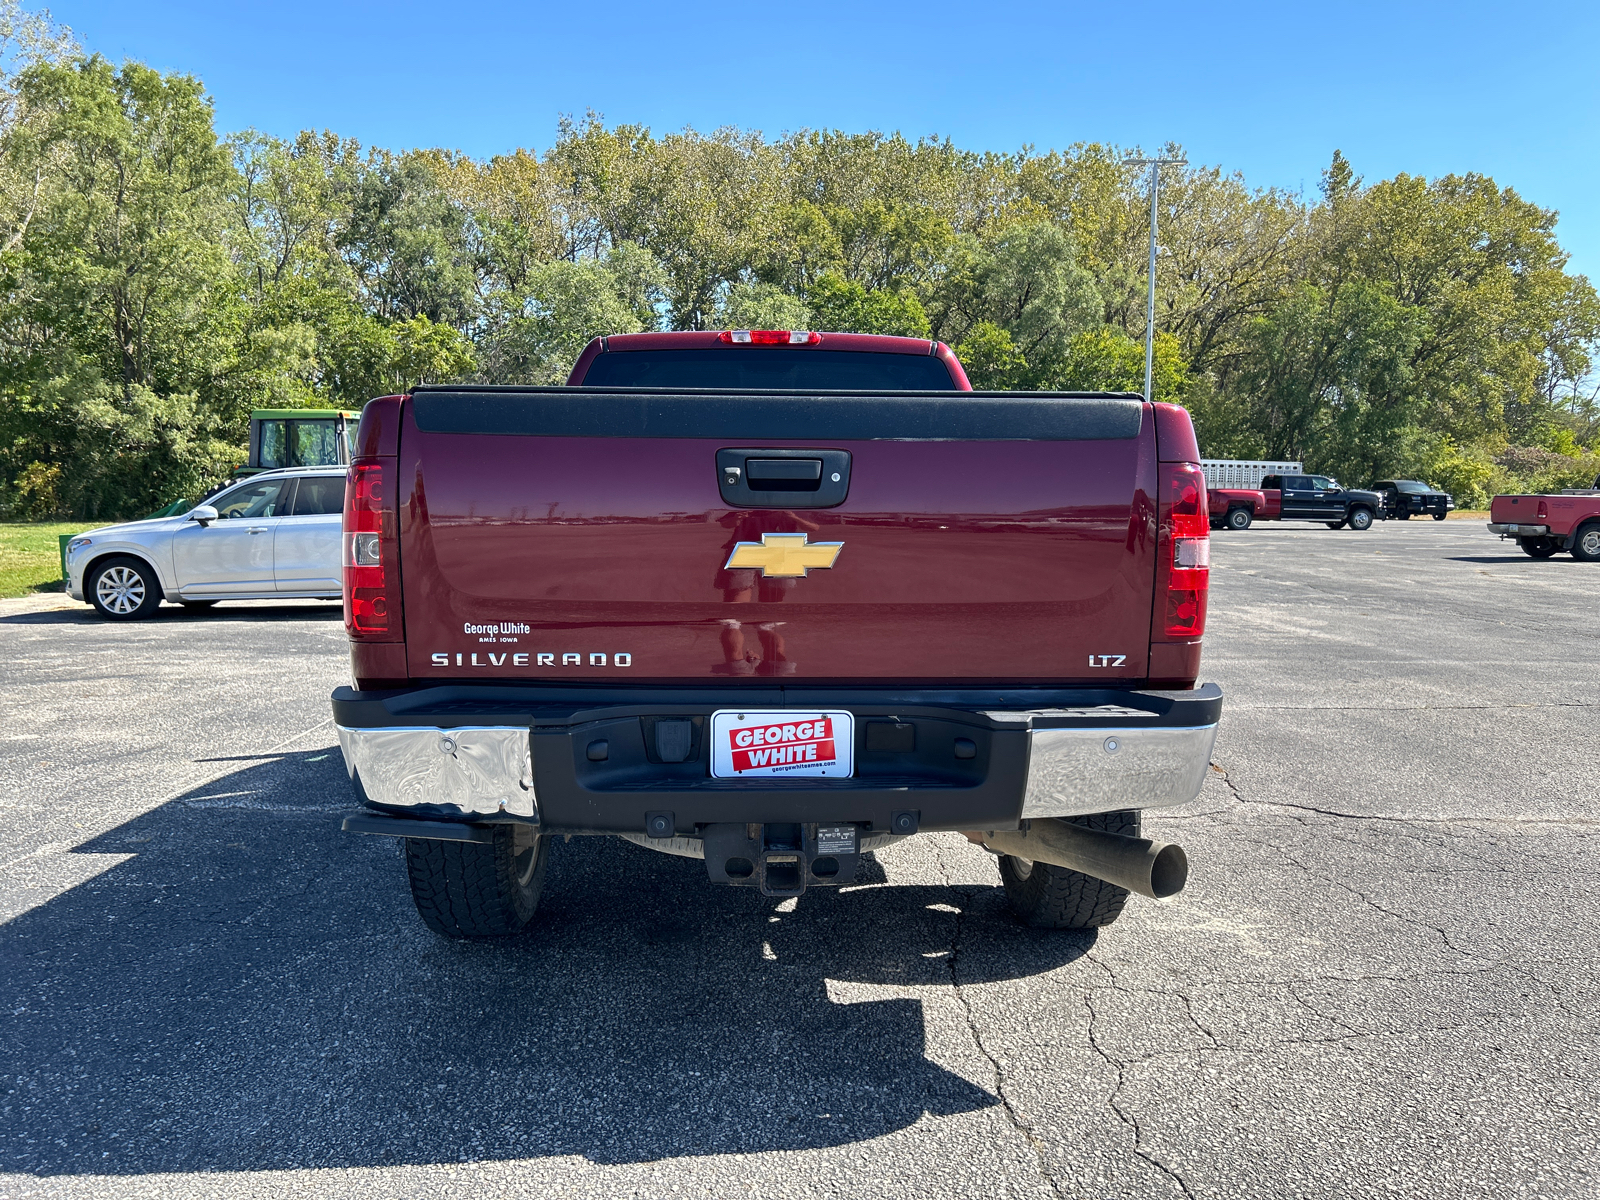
1058,762
1075,772
472,771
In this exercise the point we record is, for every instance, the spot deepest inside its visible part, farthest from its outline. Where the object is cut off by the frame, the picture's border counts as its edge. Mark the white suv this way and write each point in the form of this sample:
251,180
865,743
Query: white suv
274,535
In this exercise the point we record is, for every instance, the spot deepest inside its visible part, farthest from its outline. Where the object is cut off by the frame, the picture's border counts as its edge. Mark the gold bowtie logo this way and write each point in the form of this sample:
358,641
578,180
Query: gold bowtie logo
786,555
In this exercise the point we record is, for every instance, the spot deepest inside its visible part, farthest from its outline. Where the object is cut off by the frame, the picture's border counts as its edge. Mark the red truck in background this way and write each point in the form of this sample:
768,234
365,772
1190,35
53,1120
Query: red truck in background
1546,525
1239,508
1294,498
771,599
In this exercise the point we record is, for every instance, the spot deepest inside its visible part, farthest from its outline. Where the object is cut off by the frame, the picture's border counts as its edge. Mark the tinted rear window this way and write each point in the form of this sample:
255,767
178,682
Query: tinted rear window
771,367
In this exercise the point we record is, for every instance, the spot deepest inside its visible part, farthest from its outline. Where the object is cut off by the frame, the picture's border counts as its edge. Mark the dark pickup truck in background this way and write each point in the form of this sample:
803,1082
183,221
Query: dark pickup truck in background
769,600
1407,498
1294,498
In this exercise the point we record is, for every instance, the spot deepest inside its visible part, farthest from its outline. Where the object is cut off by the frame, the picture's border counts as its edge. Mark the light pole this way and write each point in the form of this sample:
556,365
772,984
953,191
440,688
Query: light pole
1155,165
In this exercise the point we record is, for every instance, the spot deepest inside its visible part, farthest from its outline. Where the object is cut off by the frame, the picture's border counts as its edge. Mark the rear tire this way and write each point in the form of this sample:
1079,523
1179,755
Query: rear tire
1539,547
123,588
1240,519
478,889
1586,546
1403,515
1361,519
1334,524
1050,897
1438,516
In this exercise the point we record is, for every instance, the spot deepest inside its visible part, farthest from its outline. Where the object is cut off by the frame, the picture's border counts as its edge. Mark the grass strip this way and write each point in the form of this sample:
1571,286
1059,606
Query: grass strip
30,556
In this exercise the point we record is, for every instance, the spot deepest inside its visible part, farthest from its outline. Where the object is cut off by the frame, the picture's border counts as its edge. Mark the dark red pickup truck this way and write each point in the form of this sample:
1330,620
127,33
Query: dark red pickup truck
771,600
1546,525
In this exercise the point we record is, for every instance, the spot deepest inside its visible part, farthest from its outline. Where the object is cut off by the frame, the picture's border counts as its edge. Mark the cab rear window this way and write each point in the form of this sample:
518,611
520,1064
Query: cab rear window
777,367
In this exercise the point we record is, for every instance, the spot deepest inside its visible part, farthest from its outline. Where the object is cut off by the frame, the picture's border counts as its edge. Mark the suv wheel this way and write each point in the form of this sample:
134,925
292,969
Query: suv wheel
1050,897
1439,516
123,588
1361,519
1239,518
478,889
1586,546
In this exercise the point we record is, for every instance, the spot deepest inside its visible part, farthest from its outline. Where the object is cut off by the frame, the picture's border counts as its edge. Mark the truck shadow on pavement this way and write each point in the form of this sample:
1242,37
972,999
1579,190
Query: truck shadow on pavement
251,990
1499,558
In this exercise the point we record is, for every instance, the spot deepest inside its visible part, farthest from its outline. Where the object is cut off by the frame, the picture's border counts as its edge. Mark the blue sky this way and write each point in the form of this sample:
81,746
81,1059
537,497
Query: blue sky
1266,89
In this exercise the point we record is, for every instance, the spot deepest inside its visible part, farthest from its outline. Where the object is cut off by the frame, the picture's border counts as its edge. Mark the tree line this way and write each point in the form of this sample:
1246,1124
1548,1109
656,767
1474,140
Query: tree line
159,279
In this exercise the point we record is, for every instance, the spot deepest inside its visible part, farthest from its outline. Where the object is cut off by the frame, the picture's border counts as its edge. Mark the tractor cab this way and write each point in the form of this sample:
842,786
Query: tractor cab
299,437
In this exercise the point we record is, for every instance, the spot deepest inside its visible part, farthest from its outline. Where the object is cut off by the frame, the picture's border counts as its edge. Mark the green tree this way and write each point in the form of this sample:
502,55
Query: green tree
1335,379
120,317
566,305
844,306
992,361
756,305
1108,360
1023,280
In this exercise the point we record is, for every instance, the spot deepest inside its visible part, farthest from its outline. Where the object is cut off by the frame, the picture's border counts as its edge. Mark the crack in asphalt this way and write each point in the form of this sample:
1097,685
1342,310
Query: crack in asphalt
1400,819
1120,1066
1443,934
1018,1121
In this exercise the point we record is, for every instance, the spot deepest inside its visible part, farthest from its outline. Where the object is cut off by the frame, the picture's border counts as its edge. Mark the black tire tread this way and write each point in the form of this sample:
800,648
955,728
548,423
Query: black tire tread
470,889
1058,898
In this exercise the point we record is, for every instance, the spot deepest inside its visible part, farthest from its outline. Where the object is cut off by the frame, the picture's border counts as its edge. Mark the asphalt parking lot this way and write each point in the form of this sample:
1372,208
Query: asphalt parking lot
1381,981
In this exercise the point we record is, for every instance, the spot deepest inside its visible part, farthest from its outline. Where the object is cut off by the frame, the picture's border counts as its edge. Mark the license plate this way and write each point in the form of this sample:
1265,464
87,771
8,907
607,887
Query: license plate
756,744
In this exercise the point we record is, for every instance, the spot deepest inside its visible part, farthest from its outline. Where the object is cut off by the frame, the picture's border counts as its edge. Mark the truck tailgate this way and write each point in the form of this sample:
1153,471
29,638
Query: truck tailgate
582,536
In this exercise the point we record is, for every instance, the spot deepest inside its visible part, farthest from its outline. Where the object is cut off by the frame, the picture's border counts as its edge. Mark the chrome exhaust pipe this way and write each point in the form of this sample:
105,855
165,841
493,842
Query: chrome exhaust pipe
1154,869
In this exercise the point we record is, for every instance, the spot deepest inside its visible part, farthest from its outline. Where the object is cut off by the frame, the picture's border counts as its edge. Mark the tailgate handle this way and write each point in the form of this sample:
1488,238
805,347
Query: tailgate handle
784,474
769,477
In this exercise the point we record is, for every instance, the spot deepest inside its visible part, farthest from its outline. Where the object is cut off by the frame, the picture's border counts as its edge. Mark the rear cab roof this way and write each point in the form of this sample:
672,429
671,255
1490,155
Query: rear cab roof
711,339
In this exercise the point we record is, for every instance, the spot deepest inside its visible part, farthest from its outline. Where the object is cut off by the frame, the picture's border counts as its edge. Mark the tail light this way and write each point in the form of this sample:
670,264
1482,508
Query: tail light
770,337
371,555
1183,568
1544,511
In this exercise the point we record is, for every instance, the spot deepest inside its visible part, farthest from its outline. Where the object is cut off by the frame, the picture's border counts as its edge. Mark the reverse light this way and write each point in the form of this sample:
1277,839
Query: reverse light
371,582
1186,526
770,337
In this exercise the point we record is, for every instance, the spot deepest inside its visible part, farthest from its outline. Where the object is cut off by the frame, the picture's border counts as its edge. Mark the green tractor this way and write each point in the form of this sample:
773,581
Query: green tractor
289,437
299,437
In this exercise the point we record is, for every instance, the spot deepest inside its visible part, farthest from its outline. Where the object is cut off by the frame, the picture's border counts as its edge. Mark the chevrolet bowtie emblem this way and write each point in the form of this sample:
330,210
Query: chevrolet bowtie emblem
786,555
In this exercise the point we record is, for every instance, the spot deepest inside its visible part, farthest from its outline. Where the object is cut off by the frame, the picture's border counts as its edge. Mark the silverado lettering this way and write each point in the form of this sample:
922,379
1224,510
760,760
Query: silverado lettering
523,658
